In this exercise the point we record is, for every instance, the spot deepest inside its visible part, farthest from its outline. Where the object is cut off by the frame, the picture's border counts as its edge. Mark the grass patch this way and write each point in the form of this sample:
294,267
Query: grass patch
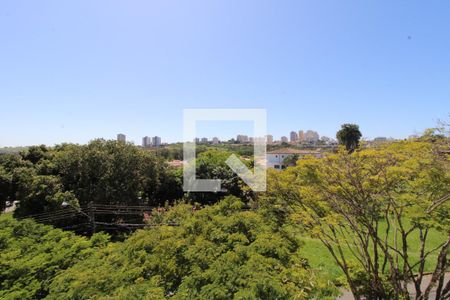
321,260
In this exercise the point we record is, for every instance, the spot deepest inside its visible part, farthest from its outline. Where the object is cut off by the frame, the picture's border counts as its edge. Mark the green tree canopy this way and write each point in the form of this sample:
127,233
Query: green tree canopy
32,254
102,172
349,136
372,209
220,252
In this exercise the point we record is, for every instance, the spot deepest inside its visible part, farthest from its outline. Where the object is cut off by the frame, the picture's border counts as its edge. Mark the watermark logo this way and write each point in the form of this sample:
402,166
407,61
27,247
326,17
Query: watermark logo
255,179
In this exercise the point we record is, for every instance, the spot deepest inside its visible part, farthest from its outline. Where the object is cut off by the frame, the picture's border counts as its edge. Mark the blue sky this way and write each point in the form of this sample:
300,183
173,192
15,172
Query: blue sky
71,71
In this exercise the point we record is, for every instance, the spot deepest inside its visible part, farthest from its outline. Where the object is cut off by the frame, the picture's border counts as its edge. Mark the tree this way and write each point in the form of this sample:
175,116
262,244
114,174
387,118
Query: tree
32,254
349,136
211,164
219,252
291,160
5,188
34,154
40,193
101,172
370,209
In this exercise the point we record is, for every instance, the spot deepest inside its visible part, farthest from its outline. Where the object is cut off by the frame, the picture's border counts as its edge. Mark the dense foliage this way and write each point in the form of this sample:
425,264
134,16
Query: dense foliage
104,172
32,254
220,252
211,164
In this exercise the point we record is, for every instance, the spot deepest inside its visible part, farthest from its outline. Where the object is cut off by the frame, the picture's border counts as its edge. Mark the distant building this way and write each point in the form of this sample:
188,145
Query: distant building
215,140
156,141
204,140
380,139
276,158
284,139
242,138
301,136
311,136
294,137
269,139
196,140
146,141
121,137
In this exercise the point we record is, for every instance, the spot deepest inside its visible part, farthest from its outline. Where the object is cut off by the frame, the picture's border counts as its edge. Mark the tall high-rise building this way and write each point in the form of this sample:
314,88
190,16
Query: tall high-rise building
146,141
269,139
284,139
301,136
204,140
311,136
215,140
121,137
156,141
242,138
294,137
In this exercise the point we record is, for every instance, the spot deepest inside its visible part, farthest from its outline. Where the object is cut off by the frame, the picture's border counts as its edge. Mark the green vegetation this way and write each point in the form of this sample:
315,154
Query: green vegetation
382,214
220,252
31,255
349,136
103,172
368,219
321,260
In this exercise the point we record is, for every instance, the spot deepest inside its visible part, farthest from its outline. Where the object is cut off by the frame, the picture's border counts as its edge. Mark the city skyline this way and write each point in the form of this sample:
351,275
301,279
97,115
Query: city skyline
308,136
149,141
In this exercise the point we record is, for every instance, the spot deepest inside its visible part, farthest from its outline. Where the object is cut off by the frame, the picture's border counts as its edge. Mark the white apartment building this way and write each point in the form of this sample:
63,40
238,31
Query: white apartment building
301,136
294,137
311,136
156,141
146,141
242,138
276,158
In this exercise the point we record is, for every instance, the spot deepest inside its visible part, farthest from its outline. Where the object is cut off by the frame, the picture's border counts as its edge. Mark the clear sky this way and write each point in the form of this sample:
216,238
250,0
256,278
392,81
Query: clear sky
71,71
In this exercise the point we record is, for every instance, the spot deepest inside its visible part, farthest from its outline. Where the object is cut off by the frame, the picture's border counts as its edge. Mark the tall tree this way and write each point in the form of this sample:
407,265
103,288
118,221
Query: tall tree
349,136
372,209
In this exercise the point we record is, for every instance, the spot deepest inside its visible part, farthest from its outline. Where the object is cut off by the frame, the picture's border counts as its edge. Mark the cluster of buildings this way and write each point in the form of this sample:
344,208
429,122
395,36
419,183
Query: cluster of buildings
154,141
204,140
310,136
300,137
147,141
